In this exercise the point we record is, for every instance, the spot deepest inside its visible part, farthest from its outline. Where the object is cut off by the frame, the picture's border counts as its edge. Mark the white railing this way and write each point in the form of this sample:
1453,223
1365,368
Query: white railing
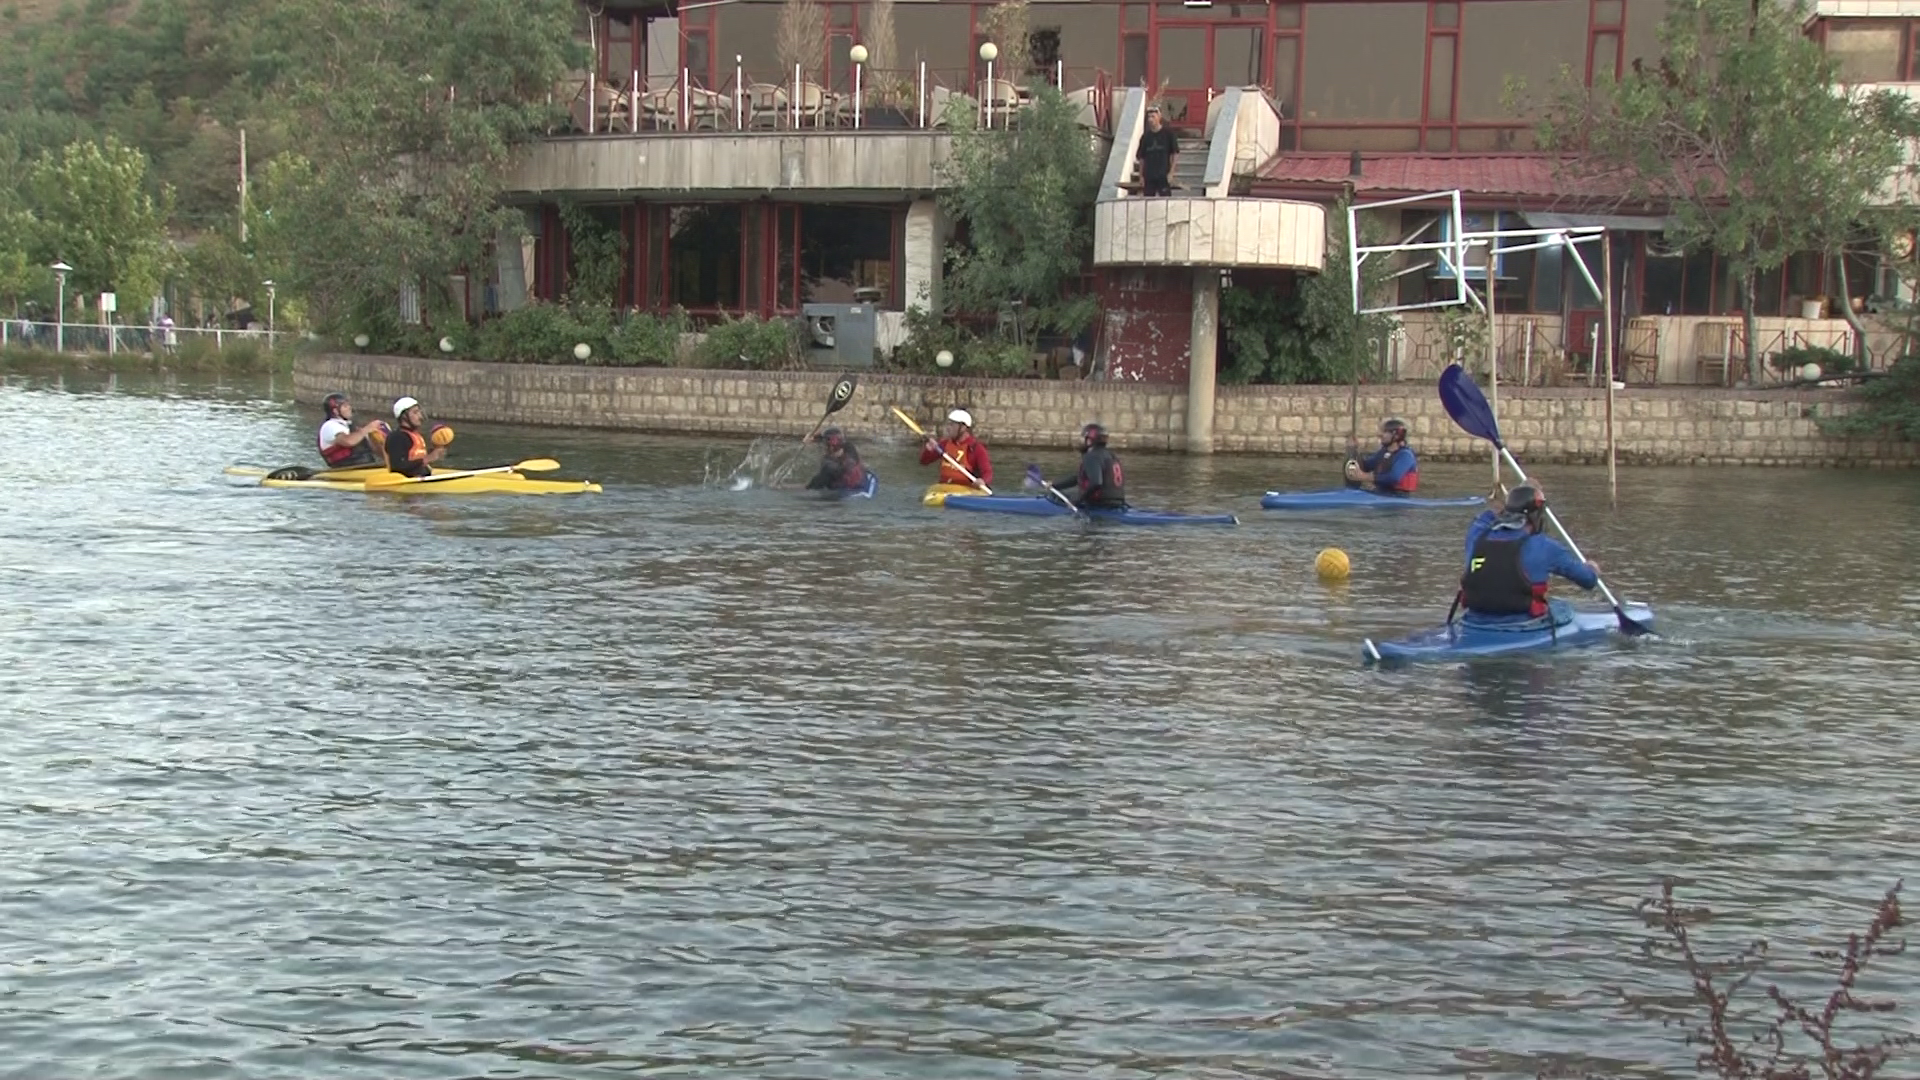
95,338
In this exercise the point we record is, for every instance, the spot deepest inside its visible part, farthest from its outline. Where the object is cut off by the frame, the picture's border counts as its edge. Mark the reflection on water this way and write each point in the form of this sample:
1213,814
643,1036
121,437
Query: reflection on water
680,780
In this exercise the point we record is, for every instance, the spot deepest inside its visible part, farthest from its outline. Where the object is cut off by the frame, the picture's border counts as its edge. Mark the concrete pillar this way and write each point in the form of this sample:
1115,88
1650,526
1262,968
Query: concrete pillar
510,264
925,250
1200,359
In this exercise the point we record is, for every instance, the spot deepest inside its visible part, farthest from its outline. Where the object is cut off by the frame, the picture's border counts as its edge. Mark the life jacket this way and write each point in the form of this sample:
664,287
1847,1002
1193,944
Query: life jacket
1097,467
1496,581
358,454
1407,484
854,476
959,450
412,447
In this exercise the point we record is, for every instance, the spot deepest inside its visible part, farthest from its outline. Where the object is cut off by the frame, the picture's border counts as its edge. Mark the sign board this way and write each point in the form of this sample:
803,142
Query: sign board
108,303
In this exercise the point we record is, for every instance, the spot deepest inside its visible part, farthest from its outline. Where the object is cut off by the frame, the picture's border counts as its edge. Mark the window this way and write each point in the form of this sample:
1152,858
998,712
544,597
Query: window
751,32
1643,31
844,249
1133,61
1527,40
1364,61
703,254
1086,39
1868,50
937,34
787,245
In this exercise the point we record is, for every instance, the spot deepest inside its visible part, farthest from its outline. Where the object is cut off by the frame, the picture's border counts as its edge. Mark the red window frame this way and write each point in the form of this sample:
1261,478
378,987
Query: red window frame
1598,32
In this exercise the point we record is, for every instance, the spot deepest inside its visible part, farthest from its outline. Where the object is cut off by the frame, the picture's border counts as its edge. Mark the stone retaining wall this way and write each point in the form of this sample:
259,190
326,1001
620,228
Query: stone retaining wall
1652,426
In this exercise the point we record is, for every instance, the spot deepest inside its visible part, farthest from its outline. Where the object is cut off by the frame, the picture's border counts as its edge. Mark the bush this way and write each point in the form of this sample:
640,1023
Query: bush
750,342
543,333
987,357
1831,361
1889,406
649,340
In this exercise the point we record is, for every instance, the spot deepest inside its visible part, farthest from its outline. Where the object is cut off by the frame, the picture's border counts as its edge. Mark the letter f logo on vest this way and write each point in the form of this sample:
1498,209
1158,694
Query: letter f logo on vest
1476,564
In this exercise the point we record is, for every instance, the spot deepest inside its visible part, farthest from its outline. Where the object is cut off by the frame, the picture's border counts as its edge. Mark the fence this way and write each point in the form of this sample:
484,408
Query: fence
918,97
94,338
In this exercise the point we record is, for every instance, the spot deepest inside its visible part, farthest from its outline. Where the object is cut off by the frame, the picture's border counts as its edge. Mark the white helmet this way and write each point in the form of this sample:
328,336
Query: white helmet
961,416
401,406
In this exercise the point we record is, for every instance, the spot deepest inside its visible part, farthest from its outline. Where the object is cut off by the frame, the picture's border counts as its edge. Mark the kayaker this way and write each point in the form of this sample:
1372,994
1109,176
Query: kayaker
840,468
1100,482
1393,468
341,444
1510,560
408,452
960,445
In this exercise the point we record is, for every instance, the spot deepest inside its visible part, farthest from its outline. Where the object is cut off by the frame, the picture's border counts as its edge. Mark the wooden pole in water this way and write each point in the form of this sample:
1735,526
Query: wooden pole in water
1493,349
1606,317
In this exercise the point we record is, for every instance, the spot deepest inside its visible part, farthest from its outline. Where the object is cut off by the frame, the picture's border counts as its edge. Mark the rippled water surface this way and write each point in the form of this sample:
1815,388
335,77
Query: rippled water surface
679,781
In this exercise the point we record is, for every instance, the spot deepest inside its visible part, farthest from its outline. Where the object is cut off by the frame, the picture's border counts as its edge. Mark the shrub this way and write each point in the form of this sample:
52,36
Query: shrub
989,357
542,333
1831,361
1889,406
649,340
750,342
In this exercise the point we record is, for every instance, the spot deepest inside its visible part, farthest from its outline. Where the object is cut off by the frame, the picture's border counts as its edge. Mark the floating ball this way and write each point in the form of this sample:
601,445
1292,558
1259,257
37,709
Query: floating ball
1332,565
441,435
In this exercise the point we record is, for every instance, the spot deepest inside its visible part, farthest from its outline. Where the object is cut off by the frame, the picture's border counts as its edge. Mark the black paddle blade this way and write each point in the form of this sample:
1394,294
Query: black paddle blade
842,393
1467,405
1628,626
291,472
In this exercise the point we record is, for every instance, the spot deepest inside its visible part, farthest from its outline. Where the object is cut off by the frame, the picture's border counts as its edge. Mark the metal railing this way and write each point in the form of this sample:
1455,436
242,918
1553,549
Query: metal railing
917,97
110,340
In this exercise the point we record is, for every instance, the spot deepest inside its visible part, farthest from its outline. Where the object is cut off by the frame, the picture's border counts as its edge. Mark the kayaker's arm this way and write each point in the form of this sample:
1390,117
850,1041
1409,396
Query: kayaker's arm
982,464
1585,575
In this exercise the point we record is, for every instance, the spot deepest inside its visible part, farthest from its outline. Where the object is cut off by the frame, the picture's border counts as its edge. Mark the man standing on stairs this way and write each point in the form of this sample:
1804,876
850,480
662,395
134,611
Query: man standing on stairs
1156,152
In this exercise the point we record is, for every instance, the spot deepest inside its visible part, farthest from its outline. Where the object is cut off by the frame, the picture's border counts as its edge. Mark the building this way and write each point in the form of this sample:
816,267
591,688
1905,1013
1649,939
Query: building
758,164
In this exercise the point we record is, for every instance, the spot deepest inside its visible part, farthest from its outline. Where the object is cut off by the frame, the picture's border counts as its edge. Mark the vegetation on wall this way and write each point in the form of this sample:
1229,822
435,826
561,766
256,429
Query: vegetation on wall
1738,129
1308,335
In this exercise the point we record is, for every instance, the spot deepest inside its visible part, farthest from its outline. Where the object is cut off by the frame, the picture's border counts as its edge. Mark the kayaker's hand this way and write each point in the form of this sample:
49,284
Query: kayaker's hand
931,445
1353,471
1593,566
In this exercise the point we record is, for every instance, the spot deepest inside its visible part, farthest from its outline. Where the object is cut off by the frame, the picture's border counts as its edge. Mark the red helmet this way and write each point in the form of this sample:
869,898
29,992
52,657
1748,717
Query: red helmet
1093,435
833,438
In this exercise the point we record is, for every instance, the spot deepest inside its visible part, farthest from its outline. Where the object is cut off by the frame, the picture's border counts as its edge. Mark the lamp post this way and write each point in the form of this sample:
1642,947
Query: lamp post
988,51
270,291
61,270
858,54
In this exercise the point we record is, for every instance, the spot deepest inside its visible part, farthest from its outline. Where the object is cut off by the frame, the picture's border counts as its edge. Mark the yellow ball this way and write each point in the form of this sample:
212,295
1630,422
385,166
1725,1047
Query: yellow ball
442,435
1332,565
379,434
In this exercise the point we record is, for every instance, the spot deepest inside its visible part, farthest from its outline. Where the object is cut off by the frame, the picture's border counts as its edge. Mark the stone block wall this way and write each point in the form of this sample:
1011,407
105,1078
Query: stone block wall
1652,426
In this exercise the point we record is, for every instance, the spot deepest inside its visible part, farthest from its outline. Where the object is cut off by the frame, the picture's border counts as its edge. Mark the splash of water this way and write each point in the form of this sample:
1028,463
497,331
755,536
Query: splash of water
769,462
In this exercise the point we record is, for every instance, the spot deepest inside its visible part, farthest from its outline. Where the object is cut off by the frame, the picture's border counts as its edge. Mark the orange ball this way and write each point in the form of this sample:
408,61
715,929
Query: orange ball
442,435
378,433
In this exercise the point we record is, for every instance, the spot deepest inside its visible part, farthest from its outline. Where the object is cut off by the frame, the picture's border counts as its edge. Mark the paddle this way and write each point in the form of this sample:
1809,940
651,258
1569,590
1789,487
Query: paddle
1468,407
917,430
1035,477
836,400
529,465
295,472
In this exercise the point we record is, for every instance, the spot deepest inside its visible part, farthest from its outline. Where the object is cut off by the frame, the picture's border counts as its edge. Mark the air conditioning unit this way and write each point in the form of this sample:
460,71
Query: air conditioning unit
839,335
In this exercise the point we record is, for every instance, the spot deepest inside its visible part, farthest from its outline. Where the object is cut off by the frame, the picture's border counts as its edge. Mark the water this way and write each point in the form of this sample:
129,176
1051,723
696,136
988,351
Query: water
683,781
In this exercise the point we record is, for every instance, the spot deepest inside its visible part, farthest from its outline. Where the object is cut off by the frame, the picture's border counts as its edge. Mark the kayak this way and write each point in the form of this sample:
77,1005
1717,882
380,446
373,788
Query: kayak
485,484
864,491
351,474
1341,498
1462,639
1042,506
937,494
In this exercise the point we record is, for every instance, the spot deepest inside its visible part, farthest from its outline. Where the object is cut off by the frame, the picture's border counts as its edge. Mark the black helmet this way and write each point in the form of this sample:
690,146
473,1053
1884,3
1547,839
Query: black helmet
1093,435
833,438
1526,498
1395,426
333,402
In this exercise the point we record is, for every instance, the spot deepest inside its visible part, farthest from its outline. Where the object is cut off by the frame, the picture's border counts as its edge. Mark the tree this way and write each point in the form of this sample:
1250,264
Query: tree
1741,131
94,212
1025,193
1309,335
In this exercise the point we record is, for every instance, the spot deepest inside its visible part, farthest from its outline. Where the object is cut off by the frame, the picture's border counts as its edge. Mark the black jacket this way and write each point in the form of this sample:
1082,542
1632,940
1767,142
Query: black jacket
842,473
1101,481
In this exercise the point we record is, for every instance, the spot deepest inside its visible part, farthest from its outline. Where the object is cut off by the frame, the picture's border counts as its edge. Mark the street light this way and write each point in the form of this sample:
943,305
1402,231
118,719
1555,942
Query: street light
988,51
858,54
269,284
61,270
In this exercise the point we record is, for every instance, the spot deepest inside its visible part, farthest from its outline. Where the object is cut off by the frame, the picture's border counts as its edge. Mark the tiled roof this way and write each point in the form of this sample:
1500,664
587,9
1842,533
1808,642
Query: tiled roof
1529,176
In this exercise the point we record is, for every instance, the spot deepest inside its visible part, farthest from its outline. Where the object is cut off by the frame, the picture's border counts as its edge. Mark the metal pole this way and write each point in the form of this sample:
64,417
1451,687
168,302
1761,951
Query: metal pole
686,106
1606,316
60,327
738,73
796,96
633,102
923,93
989,94
856,95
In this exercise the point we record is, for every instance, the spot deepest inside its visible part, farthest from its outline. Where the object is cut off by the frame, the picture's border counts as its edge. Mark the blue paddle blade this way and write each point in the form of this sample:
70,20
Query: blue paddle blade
1467,405
1034,478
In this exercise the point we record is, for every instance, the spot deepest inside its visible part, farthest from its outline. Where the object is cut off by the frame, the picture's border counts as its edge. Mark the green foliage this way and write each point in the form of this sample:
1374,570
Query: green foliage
546,334
599,254
93,211
1889,406
1739,130
982,356
649,340
1311,334
758,344
1026,195
1831,361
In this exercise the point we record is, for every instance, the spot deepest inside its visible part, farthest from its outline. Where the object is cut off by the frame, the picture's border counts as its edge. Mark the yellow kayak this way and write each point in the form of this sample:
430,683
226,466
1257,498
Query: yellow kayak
501,483
937,494
354,474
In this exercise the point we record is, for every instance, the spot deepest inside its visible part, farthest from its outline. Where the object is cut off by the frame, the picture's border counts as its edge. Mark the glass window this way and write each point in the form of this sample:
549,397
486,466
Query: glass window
1527,40
1286,16
1242,12
1605,59
1133,60
751,32
659,220
1608,13
698,57
1660,284
1643,31
1088,37
1183,56
937,34
1372,140
1866,51
1446,15
1766,292
1365,62
1134,17
704,252
1286,69
755,227
844,249
1547,281
787,243
1696,291
1440,79
1236,55
618,58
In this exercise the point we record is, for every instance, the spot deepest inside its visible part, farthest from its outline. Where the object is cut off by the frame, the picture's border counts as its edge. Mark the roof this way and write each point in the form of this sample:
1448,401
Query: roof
1535,178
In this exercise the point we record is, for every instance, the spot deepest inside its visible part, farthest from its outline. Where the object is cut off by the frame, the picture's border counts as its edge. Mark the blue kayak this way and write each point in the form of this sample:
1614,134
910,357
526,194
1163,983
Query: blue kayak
1342,498
864,491
1462,639
1042,506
